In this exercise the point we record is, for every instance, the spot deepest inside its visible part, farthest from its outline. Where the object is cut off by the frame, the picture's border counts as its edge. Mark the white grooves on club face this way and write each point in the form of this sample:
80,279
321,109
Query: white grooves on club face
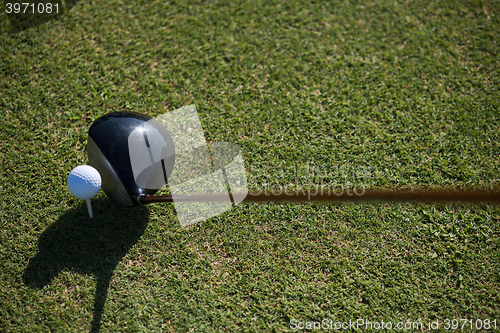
152,155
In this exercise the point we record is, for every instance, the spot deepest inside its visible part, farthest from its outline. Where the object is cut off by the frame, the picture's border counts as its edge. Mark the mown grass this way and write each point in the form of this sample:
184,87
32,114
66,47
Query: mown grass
391,94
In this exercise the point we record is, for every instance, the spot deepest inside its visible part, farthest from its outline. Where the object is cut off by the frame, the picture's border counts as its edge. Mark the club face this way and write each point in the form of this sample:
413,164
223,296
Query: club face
132,152
111,184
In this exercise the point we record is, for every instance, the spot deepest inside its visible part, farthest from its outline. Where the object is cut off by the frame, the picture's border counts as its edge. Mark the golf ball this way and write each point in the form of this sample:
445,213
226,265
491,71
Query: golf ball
84,182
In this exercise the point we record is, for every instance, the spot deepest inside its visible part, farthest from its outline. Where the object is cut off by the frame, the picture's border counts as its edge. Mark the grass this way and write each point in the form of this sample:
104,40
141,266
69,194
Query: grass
391,94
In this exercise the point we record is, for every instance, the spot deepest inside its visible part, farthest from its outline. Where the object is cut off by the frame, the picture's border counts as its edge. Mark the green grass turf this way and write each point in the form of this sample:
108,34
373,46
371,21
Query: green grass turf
313,92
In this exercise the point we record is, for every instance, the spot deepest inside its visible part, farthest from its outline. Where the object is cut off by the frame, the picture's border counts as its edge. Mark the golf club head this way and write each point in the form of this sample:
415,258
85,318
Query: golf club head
133,153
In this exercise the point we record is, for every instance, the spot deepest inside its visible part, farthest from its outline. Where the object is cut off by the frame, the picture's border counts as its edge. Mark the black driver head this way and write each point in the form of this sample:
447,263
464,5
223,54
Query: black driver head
133,153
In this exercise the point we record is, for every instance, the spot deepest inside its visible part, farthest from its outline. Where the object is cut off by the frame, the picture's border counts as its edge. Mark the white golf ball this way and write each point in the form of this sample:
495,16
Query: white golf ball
84,182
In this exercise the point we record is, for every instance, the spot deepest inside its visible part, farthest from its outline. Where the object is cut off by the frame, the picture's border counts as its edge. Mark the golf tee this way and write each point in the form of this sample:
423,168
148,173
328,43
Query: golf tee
90,208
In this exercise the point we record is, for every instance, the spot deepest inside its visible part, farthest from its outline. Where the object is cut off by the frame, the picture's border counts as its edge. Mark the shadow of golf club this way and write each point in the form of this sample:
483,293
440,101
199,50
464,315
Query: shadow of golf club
89,246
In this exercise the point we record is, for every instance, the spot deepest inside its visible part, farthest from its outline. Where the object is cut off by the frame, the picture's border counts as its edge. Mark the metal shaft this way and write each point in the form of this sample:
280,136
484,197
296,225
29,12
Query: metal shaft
345,195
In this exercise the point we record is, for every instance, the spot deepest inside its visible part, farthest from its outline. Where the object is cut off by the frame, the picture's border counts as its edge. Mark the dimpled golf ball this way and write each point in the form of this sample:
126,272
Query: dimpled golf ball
84,182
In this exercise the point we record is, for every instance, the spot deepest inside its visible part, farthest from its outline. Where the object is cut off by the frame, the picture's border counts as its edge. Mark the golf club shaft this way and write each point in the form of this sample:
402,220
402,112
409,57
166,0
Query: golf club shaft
345,195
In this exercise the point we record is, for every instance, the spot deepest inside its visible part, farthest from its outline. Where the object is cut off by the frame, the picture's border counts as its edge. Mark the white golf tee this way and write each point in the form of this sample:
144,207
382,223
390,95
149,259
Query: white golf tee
90,208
